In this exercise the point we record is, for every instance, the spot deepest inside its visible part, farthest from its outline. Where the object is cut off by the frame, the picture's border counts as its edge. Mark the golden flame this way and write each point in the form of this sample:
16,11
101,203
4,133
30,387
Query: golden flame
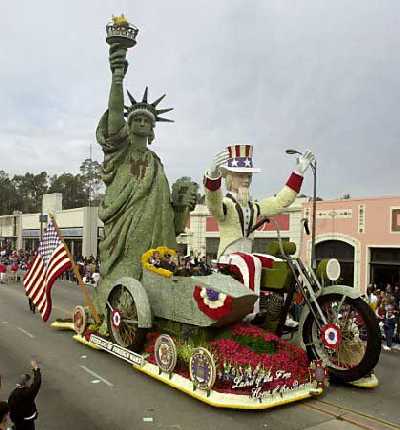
120,20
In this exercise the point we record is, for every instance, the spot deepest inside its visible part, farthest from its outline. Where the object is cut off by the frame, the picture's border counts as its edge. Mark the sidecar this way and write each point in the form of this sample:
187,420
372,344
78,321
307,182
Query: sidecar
213,300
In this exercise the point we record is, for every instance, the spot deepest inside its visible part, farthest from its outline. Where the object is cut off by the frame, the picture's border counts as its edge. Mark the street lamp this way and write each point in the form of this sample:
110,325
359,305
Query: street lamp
314,214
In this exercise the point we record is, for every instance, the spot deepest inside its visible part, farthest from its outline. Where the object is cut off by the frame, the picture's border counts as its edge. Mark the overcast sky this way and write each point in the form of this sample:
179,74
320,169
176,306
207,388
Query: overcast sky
277,74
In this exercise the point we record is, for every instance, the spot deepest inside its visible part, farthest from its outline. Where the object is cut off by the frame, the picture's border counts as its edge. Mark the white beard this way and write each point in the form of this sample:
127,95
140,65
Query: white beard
243,196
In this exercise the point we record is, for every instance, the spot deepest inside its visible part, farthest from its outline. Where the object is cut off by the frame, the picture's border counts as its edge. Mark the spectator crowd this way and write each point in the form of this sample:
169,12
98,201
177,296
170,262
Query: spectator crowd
14,264
385,301
181,266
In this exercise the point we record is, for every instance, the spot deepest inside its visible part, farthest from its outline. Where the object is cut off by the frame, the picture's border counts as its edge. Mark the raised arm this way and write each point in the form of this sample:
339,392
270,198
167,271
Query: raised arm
276,204
119,66
37,380
212,186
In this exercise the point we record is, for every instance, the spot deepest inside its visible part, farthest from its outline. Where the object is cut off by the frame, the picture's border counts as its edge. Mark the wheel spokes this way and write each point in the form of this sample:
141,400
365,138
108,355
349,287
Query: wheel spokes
123,303
354,335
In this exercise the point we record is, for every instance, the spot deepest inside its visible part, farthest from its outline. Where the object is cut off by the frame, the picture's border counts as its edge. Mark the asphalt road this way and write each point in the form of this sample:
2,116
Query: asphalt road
88,389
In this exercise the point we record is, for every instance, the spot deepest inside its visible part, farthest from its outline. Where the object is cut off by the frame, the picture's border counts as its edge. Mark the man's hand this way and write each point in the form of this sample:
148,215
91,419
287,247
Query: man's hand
34,364
303,162
219,160
118,58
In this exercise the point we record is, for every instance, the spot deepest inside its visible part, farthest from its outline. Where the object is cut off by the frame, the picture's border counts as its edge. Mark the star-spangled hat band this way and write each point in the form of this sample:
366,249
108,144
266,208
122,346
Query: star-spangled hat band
240,159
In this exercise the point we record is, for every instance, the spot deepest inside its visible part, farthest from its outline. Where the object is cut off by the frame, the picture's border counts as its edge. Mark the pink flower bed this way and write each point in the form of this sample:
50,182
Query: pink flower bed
228,353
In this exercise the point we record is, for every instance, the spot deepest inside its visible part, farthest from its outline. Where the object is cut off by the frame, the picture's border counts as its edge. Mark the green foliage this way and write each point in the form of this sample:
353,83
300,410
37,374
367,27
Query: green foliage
72,188
9,201
24,192
187,337
183,332
30,188
94,327
184,352
185,349
90,171
256,344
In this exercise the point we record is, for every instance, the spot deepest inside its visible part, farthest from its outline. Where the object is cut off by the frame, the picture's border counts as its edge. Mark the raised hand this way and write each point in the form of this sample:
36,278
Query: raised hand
303,162
219,160
184,194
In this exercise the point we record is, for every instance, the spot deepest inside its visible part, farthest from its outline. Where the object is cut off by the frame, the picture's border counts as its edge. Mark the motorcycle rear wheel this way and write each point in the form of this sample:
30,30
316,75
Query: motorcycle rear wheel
360,346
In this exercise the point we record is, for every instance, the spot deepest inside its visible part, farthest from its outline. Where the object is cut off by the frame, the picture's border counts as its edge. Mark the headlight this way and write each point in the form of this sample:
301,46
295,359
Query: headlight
328,268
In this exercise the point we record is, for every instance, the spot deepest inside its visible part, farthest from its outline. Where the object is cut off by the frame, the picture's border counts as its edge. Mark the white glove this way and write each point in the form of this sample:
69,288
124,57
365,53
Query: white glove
303,162
219,160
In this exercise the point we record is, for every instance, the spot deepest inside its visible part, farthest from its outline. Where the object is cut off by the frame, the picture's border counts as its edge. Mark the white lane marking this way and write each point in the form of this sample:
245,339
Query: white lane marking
4,322
148,419
86,369
95,381
83,356
26,332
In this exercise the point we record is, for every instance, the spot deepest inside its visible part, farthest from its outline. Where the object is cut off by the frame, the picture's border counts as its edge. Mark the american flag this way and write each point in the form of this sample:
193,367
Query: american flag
51,261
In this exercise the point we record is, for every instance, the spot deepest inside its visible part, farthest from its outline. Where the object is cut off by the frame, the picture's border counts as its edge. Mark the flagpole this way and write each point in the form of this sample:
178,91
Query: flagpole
87,299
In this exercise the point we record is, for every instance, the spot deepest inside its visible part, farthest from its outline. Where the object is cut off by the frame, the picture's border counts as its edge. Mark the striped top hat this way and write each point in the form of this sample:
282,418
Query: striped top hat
240,159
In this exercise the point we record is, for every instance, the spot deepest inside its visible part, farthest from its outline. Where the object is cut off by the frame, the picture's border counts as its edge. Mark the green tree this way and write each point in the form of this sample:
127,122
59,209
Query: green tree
30,188
91,177
72,187
9,201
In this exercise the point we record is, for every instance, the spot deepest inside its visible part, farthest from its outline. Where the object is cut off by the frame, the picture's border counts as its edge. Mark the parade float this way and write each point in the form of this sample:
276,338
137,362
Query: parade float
220,337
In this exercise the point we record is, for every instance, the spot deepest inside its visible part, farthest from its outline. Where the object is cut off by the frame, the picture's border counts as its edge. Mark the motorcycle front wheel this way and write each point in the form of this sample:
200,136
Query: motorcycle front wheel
357,351
122,320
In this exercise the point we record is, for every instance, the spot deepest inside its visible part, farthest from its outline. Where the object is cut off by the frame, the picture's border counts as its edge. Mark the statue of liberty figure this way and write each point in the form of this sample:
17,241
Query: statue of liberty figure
137,211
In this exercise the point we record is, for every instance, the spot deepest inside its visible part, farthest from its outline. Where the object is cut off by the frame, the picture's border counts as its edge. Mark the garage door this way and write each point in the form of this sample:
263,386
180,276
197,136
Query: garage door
385,266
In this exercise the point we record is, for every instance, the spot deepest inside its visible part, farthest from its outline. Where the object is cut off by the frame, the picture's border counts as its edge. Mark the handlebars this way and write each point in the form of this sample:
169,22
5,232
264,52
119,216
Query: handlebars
259,224
305,223
274,222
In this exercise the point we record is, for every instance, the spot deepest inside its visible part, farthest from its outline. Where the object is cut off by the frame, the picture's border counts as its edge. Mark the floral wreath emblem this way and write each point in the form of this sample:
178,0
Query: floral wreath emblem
202,369
319,373
212,303
165,353
116,318
331,336
79,319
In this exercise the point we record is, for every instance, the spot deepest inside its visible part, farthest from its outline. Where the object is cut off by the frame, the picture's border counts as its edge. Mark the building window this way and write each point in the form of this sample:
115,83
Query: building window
396,220
361,218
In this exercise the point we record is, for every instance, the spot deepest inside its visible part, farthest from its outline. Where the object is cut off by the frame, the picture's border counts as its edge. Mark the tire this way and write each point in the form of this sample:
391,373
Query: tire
128,335
360,328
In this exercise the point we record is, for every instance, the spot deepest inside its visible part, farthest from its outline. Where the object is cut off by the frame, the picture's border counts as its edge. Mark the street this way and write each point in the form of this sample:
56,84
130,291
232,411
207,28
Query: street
87,389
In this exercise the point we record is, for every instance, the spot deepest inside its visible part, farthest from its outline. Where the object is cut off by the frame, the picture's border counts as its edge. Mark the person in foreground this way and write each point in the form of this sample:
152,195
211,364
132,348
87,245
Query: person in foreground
4,416
23,411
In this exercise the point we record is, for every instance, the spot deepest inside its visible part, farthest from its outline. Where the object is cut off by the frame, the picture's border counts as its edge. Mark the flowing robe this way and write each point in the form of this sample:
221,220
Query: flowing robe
136,211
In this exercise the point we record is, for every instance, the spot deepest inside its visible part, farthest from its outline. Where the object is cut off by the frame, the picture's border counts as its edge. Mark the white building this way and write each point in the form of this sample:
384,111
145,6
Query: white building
80,227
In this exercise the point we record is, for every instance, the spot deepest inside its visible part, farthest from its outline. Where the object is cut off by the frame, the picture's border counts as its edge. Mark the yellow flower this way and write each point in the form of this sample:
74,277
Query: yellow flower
162,250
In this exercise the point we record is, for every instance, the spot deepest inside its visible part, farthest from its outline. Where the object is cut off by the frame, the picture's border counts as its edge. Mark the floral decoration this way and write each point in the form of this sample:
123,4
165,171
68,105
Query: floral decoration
212,303
240,366
162,250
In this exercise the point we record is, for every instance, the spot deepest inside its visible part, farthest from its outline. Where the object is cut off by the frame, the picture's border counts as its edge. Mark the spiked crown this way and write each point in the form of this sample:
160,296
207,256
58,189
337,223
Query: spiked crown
147,107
